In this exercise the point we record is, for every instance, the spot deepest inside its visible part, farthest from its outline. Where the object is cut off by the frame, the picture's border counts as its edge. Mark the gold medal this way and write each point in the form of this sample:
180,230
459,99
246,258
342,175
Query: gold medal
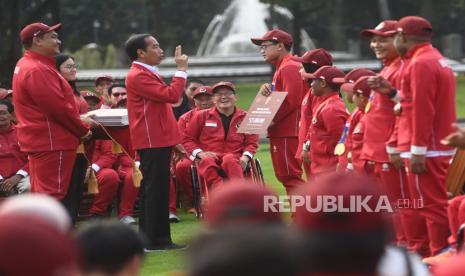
367,107
340,149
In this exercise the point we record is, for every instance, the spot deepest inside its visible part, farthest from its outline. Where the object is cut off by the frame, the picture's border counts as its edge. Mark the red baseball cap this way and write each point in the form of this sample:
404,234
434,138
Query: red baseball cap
414,25
345,188
274,35
104,77
89,94
207,90
239,202
361,87
223,84
319,57
36,29
384,29
351,77
327,73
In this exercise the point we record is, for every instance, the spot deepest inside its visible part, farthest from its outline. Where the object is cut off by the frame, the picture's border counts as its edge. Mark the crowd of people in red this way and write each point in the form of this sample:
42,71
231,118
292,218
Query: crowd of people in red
400,137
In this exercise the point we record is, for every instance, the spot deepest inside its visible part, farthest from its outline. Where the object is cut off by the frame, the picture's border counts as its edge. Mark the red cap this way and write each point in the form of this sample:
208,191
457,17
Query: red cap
346,189
320,57
223,84
274,35
384,29
104,77
414,25
89,94
351,77
240,202
31,246
203,90
328,73
361,87
36,29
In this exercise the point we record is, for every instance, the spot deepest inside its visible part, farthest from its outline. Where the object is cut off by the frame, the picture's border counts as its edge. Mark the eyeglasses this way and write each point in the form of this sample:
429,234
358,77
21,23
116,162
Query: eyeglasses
264,46
72,66
118,94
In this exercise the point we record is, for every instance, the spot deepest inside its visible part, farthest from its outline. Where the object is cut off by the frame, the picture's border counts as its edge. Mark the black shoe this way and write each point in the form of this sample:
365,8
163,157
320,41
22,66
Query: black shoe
171,246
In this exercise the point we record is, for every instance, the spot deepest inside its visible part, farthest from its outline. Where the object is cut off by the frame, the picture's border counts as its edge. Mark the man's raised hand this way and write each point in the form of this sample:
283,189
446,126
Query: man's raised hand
180,59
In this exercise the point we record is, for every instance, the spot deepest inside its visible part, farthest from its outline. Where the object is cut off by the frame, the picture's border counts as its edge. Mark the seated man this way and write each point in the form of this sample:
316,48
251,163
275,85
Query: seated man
14,168
203,100
212,137
111,169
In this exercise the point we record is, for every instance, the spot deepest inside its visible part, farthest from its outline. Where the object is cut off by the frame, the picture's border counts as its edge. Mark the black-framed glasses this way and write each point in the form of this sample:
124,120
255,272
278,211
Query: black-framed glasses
118,94
72,66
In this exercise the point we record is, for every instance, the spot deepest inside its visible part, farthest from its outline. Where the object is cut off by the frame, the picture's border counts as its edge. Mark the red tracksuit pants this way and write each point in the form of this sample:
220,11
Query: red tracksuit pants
456,212
287,169
429,193
108,184
184,181
395,184
209,168
50,172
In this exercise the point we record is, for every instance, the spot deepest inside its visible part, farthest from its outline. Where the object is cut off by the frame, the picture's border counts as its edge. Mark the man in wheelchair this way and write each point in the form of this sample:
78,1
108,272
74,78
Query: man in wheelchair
211,137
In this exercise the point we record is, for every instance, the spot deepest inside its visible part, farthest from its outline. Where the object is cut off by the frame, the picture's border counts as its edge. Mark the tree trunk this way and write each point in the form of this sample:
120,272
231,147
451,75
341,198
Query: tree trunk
296,26
384,10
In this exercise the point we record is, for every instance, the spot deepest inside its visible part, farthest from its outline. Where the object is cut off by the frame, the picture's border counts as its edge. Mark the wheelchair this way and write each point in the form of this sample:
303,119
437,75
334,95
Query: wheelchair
252,172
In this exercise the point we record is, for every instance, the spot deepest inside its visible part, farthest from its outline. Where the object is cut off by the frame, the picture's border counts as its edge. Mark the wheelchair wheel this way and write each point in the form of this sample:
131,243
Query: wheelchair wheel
196,191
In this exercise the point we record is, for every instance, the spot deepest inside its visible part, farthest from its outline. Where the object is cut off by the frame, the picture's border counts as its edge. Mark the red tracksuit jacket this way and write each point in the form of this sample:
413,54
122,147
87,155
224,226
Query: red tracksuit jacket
356,140
287,78
352,122
306,110
185,119
379,121
428,102
325,131
11,158
205,132
151,119
45,106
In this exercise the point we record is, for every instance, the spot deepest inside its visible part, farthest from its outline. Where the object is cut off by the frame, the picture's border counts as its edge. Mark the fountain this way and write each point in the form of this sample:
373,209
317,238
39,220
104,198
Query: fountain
229,34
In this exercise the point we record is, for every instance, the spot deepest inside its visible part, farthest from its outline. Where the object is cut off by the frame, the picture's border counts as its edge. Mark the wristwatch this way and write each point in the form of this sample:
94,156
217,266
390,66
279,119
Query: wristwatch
306,146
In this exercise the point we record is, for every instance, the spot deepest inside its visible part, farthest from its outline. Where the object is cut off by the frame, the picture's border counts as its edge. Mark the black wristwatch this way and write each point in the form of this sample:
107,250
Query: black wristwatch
392,93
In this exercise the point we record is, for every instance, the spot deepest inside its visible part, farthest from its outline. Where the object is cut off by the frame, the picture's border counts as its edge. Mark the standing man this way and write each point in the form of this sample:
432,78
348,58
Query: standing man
427,99
154,132
275,48
49,128
311,61
116,93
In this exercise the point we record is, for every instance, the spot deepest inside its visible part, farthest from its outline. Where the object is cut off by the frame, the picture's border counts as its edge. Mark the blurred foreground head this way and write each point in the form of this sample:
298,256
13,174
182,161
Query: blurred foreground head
246,250
240,202
30,245
38,205
110,248
348,237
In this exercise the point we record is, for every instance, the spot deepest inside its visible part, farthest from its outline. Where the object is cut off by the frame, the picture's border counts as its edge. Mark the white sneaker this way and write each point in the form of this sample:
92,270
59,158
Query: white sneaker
128,220
174,218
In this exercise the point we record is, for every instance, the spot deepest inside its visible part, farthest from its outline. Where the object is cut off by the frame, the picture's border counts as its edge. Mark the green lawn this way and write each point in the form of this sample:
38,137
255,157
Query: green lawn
165,263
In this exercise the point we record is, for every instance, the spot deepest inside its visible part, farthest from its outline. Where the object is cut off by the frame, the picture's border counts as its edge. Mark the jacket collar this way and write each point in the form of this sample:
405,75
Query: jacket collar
44,59
278,63
416,48
152,69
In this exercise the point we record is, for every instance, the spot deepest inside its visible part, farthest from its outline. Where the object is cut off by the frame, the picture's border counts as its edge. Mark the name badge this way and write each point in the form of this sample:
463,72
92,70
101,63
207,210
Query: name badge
211,124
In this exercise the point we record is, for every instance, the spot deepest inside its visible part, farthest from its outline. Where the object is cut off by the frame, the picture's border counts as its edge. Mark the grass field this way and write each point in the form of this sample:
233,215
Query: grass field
166,263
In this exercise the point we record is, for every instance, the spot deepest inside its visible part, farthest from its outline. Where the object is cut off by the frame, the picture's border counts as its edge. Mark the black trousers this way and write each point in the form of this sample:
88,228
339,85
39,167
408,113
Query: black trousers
73,197
154,196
